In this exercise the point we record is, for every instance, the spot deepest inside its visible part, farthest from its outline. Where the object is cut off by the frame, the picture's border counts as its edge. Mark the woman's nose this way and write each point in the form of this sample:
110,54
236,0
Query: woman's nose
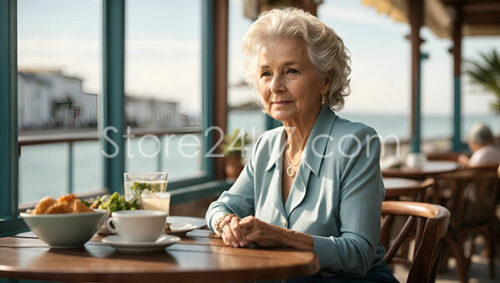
277,85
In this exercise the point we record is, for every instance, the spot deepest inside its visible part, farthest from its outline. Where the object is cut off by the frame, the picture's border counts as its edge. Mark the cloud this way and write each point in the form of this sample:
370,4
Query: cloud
84,45
153,56
163,45
58,45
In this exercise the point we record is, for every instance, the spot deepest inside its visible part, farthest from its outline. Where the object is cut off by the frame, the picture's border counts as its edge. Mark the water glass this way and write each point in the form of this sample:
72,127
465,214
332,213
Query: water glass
137,183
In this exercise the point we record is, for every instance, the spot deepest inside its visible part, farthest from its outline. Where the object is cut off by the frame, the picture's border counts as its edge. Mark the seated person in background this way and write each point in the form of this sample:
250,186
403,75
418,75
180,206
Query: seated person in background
482,144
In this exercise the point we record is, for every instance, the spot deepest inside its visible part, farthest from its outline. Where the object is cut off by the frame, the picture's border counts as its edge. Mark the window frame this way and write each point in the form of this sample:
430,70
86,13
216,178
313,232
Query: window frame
112,108
8,119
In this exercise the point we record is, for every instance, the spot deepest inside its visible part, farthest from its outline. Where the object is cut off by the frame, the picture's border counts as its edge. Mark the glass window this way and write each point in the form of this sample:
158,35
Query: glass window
244,110
163,86
59,82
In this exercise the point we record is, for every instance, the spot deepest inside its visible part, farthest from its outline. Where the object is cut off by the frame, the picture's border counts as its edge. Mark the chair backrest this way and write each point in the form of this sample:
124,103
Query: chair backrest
427,224
491,167
473,195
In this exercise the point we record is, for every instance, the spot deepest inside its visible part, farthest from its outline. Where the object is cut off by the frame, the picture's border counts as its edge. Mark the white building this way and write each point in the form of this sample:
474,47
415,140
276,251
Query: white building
48,98
152,113
33,102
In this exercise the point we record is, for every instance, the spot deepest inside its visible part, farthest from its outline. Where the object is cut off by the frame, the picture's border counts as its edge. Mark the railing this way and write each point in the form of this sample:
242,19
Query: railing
70,138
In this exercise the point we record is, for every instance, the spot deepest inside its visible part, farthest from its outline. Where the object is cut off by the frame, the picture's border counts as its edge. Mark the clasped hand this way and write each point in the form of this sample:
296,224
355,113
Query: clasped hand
238,232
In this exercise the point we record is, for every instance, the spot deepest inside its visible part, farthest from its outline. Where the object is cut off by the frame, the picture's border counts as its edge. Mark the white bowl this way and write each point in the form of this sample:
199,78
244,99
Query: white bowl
68,230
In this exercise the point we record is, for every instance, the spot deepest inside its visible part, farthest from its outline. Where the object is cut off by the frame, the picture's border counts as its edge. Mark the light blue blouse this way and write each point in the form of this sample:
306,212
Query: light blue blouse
336,195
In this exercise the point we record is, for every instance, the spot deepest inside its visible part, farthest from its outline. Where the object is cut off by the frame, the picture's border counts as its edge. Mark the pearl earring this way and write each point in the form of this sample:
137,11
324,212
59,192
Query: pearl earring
323,99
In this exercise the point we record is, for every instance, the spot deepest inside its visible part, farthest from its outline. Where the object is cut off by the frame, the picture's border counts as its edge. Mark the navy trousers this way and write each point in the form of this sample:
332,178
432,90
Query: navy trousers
380,273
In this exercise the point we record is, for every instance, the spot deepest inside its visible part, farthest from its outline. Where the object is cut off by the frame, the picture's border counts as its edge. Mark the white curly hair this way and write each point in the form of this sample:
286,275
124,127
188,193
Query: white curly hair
325,48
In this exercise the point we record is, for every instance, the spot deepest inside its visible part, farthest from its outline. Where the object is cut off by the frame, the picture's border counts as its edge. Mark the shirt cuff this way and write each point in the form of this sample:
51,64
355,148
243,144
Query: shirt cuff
323,248
214,219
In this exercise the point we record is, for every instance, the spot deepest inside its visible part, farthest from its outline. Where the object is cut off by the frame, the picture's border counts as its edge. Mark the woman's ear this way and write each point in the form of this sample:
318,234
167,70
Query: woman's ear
327,81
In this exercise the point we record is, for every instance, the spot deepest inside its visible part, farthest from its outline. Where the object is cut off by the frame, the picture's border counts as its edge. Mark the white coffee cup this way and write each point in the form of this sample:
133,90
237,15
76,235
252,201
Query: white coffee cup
416,160
137,225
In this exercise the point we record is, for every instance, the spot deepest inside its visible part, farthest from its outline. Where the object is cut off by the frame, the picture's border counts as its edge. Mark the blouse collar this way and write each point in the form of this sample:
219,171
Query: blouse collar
315,146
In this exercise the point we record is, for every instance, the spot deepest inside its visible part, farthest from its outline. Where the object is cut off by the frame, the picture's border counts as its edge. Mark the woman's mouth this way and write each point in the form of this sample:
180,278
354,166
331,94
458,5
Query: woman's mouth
281,103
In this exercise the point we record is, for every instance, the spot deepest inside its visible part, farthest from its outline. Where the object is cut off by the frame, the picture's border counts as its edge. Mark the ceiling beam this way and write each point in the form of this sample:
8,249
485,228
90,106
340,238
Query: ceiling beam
483,18
482,7
468,2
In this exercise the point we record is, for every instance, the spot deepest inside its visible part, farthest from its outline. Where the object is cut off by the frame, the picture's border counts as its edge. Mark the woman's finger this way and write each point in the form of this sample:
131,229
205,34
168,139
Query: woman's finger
237,233
229,235
253,237
225,220
224,239
247,222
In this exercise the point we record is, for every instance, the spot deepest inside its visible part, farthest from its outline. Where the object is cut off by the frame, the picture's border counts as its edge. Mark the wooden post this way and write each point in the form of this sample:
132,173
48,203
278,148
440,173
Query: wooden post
220,75
457,94
416,8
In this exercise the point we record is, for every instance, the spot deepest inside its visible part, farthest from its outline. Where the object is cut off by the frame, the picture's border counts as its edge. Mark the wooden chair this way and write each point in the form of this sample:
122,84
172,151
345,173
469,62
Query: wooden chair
491,167
427,224
471,197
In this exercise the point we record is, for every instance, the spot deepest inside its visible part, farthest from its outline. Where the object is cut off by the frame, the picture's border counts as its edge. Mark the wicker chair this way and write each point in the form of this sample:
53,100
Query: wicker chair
427,225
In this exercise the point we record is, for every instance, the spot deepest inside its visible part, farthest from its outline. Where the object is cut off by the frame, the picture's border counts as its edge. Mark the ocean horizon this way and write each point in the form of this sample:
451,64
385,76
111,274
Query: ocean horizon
43,169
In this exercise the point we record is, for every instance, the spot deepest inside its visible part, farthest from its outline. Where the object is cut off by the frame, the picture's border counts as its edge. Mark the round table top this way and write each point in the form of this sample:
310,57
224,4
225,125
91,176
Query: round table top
430,169
395,187
198,255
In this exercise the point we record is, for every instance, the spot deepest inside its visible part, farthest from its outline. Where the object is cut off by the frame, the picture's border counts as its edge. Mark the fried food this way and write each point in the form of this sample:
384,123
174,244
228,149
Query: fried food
68,198
44,204
60,207
65,204
78,207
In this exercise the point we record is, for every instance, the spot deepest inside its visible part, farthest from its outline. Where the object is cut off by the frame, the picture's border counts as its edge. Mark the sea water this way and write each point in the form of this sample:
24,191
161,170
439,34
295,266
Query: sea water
43,169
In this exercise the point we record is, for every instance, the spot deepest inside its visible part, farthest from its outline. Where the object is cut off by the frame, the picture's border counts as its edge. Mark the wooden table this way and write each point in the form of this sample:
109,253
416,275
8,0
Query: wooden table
398,187
430,169
200,256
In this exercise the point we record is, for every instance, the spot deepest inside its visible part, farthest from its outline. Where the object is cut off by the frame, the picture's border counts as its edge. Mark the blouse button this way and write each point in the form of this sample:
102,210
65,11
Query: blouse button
284,223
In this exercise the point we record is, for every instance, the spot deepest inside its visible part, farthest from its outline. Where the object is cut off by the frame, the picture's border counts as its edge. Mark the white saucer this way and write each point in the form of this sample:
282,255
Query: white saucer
139,247
200,222
181,228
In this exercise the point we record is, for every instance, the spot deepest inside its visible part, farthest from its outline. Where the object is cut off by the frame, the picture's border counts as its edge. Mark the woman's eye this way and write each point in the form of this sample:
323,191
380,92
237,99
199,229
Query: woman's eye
292,71
265,74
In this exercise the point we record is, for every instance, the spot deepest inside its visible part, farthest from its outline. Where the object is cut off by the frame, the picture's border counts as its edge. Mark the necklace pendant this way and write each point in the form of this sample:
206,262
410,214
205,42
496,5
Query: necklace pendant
290,171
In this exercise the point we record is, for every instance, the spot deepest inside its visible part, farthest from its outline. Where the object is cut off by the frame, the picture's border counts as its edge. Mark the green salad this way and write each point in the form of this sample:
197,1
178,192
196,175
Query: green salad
113,203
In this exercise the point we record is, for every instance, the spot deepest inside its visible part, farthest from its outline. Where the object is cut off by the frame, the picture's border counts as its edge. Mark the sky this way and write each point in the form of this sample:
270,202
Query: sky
163,53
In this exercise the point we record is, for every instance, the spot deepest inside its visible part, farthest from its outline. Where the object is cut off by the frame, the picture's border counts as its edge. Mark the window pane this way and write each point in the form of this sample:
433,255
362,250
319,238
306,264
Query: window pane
43,171
59,82
163,83
244,110
87,166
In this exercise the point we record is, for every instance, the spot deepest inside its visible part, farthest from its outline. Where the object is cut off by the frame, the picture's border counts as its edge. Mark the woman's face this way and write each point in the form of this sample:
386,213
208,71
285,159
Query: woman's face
287,81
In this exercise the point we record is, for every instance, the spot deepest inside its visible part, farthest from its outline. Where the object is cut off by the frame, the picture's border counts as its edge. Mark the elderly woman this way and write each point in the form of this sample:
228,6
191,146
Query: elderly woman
315,183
